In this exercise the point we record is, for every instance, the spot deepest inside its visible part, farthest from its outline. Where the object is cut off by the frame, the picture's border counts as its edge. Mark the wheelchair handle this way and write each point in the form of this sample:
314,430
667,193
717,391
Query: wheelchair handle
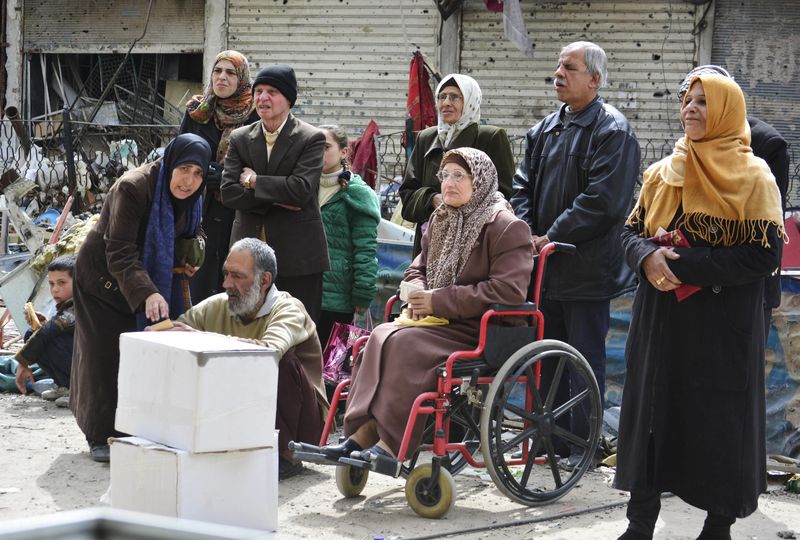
561,247
541,263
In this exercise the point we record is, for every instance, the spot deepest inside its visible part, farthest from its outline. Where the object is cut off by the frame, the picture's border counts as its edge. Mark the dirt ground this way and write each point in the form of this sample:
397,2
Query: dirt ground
46,469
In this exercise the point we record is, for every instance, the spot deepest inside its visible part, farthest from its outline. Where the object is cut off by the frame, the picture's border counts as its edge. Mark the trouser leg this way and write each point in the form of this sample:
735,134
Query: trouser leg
298,416
643,509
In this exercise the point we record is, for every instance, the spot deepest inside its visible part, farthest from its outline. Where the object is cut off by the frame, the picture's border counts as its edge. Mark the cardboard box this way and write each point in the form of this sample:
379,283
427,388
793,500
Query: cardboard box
237,488
195,391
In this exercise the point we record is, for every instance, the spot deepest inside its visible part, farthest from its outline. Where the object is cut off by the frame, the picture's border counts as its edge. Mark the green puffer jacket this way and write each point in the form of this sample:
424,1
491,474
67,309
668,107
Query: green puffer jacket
351,219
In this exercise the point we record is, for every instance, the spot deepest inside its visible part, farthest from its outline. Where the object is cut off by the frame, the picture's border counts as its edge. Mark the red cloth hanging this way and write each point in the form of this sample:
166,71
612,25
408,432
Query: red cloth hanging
419,104
494,5
365,157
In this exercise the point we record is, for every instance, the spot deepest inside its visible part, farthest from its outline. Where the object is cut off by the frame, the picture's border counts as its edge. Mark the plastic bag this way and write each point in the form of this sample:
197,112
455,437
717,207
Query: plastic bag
338,351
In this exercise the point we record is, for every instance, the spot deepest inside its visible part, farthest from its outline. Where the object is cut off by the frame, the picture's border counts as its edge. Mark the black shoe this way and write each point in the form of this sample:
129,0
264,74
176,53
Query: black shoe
380,460
100,453
336,451
287,469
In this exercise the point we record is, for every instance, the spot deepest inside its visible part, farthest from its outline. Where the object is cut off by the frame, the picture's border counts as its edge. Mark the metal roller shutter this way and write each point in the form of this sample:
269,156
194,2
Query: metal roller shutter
88,26
351,57
649,44
757,43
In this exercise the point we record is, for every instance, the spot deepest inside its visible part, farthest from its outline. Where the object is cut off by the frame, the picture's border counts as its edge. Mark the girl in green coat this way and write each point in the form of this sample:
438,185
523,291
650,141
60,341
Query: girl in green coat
351,215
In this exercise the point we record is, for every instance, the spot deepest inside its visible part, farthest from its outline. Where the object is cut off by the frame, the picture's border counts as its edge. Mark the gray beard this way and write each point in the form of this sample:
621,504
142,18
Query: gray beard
247,305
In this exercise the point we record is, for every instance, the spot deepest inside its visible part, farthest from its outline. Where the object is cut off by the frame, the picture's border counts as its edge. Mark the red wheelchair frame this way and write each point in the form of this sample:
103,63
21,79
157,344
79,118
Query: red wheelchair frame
431,496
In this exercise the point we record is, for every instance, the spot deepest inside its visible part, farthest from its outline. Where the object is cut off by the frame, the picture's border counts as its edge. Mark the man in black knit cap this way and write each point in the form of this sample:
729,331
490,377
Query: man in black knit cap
271,179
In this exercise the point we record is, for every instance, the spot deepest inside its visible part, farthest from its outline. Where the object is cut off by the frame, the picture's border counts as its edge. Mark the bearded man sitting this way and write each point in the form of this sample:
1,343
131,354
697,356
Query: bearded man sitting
252,308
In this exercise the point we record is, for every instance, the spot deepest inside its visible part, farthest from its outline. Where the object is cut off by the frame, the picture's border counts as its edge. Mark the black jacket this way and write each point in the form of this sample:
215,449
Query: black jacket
576,186
768,144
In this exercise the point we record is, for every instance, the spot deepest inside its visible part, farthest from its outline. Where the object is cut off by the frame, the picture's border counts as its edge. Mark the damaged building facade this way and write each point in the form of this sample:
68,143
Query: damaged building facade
137,61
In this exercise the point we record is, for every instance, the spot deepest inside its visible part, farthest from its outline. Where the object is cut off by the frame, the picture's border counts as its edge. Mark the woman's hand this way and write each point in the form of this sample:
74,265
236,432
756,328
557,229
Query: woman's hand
420,304
655,268
247,179
360,309
437,201
156,308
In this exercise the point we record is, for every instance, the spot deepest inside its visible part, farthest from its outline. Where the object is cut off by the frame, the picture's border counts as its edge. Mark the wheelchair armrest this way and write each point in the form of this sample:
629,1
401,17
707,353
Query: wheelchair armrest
527,306
357,346
387,310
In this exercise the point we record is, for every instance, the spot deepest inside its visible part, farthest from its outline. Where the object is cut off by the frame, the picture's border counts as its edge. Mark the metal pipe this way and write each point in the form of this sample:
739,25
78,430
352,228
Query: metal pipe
12,113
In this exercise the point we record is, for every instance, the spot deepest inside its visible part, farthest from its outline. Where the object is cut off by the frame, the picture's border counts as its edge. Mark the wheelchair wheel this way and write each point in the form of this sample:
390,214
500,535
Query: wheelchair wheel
507,424
351,480
430,501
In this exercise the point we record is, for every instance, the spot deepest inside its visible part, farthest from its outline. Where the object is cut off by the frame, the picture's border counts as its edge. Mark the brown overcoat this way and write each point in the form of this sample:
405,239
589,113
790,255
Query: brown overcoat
399,362
110,285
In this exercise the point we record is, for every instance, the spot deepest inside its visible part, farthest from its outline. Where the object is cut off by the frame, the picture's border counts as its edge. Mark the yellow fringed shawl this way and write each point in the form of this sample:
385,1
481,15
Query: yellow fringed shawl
728,195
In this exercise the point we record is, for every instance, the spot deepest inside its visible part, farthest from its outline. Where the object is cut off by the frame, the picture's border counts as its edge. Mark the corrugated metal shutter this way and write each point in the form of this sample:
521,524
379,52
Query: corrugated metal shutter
649,45
89,26
757,43
351,57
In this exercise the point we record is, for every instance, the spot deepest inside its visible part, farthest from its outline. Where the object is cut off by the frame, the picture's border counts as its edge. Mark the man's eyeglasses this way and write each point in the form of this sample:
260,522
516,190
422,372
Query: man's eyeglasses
454,98
456,177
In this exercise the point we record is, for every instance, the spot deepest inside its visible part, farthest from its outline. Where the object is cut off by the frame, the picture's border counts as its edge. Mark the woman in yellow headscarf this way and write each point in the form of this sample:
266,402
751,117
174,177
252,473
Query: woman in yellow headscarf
693,409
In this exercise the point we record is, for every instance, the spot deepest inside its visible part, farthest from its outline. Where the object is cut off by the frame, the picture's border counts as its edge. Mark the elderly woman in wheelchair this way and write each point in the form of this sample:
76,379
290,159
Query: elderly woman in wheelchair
475,266
475,253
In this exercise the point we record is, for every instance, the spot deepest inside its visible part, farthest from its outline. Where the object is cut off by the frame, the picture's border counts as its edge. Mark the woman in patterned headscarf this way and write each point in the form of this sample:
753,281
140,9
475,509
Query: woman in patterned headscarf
475,253
693,411
226,104
458,102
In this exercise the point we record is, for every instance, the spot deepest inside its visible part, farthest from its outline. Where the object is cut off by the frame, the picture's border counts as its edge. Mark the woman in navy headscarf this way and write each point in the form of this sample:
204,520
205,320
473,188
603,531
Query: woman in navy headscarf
132,269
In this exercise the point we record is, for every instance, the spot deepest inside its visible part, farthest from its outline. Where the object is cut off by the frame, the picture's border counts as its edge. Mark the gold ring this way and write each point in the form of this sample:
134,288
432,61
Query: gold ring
661,280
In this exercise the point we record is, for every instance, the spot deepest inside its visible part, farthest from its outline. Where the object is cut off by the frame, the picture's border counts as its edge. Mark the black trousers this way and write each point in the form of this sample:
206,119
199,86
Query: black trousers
584,325
307,289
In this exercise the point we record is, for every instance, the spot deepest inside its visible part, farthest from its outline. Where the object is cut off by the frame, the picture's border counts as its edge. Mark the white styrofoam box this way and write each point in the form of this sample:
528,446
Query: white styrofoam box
232,488
196,391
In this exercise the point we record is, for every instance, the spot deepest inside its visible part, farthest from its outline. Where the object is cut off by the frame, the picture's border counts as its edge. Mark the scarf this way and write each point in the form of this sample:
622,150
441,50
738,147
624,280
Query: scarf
728,195
166,212
331,183
454,231
228,113
470,114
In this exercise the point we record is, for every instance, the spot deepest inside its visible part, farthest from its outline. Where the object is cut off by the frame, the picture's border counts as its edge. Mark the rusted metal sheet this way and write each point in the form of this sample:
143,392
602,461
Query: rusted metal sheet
351,57
90,26
649,43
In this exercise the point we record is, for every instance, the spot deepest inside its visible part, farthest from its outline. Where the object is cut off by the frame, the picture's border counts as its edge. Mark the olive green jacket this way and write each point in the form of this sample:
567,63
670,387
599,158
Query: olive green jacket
420,183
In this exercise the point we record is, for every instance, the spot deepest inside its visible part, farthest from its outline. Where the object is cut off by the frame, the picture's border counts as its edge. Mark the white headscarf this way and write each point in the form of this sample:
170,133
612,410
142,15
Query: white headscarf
470,114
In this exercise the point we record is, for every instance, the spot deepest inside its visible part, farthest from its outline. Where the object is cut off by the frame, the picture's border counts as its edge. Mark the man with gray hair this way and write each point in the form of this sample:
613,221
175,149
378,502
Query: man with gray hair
252,308
576,186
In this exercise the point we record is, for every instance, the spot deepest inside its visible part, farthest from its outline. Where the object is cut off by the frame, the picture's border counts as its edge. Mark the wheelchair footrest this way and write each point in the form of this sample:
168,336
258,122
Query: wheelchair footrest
314,457
296,446
381,465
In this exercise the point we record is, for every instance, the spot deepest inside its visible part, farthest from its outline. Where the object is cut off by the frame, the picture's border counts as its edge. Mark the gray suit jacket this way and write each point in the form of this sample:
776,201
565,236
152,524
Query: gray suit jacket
291,178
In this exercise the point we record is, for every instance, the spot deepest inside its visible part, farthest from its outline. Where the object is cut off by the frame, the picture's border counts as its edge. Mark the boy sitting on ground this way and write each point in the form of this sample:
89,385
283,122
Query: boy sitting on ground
51,345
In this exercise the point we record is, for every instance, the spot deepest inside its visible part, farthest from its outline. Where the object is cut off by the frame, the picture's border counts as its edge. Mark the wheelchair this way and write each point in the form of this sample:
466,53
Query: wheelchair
489,410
